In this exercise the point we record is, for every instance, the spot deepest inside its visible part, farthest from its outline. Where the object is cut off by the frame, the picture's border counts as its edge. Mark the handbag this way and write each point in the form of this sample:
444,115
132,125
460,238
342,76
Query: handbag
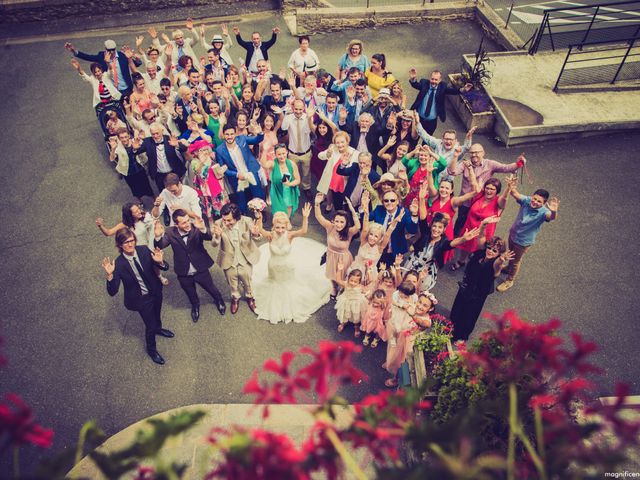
323,258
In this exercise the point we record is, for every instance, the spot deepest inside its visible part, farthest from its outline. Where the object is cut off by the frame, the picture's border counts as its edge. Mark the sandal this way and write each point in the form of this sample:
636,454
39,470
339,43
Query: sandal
341,327
332,297
365,342
374,344
391,383
457,266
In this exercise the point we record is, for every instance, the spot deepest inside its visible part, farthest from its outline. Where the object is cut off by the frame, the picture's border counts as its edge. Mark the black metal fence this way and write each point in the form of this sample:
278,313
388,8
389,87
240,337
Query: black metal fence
600,62
605,22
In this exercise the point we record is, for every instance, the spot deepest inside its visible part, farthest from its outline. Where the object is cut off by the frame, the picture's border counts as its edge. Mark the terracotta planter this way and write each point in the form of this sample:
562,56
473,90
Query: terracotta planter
483,121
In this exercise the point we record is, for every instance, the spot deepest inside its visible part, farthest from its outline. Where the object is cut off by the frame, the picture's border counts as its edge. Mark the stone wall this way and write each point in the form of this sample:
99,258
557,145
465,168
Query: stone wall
323,20
41,10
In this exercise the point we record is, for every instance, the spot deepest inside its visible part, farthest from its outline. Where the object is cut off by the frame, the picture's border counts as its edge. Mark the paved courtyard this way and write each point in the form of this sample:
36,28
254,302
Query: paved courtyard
75,353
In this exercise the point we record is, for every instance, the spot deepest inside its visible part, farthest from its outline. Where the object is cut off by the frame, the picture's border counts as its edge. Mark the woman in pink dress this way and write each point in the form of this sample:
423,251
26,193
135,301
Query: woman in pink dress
339,236
485,204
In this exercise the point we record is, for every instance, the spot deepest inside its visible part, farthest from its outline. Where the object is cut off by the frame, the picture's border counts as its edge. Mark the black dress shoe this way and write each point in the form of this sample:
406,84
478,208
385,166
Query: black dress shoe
163,332
195,313
156,357
222,307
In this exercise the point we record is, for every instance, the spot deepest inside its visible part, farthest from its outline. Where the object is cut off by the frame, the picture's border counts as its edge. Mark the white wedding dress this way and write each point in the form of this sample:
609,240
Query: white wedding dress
288,281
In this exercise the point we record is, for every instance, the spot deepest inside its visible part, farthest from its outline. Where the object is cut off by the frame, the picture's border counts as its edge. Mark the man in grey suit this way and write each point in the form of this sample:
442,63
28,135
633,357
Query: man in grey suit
238,252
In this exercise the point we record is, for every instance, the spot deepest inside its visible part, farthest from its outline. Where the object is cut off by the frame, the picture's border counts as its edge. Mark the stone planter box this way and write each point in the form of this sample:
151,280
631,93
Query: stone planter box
483,121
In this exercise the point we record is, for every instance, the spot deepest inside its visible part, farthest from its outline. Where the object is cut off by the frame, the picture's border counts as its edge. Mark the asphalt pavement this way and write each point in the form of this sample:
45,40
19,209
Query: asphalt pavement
75,353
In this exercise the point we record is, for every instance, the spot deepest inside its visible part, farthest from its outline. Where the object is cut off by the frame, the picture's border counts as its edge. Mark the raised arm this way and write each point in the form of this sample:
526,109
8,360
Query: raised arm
306,211
260,228
382,153
422,197
511,182
356,218
326,224
501,262
387,235
552,205
482,235
108,232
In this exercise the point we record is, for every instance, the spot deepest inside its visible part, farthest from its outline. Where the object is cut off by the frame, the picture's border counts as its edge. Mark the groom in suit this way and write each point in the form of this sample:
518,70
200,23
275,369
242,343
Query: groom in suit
134,268
238,252
192,261
242,166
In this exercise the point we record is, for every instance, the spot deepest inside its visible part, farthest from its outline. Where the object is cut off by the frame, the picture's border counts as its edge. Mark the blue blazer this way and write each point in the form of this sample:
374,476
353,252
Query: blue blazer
407,225
123,62
353,173
224,158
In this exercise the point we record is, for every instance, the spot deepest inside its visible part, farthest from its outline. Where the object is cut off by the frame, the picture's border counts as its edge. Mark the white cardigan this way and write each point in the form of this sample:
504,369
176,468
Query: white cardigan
113,91
323,184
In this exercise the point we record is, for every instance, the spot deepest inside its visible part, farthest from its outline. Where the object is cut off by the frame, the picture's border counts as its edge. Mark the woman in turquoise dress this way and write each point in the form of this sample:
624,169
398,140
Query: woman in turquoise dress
285,178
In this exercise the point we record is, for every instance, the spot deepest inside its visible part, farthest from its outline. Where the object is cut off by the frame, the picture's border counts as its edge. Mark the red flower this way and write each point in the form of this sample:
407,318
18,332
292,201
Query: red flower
18,423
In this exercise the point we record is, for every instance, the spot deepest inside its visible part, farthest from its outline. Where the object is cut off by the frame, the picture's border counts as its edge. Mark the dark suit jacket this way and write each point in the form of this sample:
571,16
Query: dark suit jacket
441,90
372,139
224,158
176,163
124,273
123,62
398,241
248,46
353,174
193,252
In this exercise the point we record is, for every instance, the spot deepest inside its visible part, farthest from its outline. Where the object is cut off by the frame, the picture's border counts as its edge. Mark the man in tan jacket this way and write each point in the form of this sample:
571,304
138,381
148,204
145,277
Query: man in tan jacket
238,252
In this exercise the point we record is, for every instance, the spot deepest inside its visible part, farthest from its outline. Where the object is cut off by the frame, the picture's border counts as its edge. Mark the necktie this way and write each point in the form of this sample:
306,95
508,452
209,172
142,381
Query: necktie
299,134
140,271
430,95
114,71
387,220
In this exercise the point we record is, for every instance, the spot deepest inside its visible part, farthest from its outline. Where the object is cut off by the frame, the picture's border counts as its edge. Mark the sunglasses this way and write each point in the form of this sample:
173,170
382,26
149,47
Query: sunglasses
390,200
493,249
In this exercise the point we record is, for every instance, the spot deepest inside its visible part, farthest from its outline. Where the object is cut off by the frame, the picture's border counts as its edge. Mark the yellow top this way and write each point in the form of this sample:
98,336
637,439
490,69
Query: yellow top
376,82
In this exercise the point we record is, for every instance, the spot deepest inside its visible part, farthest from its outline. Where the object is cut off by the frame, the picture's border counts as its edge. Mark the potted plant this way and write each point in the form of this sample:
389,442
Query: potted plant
474,107
431,343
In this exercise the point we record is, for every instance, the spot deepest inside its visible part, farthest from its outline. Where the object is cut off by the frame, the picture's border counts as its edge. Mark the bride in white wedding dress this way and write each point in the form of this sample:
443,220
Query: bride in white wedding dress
291,285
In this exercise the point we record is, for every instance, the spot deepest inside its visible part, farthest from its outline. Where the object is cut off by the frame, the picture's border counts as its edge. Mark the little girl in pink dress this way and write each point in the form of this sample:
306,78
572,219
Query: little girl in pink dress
374,319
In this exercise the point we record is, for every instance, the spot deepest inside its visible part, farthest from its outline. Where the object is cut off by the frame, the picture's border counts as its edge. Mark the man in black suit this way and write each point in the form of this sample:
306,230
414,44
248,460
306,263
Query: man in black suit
112,61
163,158
430,100
256,48
191,260
142,288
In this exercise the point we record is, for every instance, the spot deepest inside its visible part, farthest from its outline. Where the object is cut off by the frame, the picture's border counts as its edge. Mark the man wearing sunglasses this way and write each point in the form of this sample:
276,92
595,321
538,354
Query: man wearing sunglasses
113,61
384,215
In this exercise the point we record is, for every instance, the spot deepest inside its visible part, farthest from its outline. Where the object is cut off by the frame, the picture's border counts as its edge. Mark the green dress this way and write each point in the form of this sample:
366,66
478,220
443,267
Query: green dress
214,127
283,196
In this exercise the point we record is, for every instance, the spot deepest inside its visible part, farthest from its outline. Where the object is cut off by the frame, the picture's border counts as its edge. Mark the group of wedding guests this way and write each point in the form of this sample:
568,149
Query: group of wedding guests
228,146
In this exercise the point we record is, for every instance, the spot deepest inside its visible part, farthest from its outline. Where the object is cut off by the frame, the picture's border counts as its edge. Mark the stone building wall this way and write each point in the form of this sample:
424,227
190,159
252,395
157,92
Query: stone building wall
41,10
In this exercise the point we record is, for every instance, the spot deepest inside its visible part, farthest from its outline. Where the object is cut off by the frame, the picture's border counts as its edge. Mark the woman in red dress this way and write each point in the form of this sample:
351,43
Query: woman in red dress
485,204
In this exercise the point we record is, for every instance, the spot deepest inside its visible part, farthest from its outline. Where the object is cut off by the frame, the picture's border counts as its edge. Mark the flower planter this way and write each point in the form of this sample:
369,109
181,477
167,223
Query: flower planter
482,121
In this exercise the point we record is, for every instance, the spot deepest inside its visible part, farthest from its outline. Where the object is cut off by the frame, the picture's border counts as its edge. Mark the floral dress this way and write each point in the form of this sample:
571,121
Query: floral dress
210,190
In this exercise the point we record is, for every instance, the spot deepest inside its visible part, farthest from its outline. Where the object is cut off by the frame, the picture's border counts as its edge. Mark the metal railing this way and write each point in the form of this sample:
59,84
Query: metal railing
605,22
600,62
